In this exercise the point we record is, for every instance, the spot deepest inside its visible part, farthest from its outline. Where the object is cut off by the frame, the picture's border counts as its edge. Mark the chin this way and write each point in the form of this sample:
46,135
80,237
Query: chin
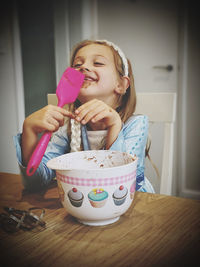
83,99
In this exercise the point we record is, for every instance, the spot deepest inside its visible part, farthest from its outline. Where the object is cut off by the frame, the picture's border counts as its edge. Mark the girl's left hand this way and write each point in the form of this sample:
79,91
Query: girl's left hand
98,114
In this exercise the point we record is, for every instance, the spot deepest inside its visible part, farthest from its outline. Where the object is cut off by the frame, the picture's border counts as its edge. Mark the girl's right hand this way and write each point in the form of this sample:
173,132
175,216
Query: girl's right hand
49,118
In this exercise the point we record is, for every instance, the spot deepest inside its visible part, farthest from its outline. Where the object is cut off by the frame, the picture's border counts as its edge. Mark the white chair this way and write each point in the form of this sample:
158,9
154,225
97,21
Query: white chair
159,107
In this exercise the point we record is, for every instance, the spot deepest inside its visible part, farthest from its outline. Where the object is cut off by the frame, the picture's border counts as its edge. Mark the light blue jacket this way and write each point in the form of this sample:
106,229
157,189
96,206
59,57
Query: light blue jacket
132,139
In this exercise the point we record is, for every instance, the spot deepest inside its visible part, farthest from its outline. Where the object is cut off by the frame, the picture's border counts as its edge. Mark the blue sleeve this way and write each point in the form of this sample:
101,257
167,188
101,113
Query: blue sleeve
132,139
58,145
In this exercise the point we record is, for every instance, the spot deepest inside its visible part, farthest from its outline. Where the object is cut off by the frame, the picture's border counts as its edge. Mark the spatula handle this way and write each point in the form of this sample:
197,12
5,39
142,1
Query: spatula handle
38,153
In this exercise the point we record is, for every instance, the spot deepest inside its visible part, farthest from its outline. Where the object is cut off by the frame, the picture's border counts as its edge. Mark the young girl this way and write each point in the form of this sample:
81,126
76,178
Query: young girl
101,118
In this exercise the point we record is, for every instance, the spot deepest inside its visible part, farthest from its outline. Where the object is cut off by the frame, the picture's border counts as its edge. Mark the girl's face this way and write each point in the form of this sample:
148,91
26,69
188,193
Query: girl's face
101,78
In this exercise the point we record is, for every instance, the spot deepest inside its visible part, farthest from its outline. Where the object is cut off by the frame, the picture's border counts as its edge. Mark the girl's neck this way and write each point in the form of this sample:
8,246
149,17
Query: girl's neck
95,126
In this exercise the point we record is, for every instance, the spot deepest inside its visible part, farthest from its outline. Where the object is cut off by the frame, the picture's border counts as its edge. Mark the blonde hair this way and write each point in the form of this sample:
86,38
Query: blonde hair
127,102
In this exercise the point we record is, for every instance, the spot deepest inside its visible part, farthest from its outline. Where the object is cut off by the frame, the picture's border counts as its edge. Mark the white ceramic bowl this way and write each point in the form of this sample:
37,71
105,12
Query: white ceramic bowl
96,186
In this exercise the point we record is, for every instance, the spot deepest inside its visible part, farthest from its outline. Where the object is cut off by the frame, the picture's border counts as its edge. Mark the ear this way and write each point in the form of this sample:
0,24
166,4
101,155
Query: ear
122,86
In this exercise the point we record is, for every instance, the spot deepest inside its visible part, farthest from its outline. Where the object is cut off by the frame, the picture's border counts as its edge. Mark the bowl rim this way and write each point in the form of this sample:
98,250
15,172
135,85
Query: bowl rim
134,158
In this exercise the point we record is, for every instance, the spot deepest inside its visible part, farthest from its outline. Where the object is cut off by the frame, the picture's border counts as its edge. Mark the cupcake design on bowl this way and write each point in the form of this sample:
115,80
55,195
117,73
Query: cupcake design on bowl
98,197
132,190
75,197
119,196
61,191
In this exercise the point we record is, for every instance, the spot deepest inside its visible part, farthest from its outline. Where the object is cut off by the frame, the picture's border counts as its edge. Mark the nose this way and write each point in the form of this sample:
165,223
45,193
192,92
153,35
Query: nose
85,66
82,69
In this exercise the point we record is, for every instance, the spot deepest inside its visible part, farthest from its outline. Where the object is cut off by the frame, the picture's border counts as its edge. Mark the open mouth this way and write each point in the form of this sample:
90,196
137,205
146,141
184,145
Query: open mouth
90,79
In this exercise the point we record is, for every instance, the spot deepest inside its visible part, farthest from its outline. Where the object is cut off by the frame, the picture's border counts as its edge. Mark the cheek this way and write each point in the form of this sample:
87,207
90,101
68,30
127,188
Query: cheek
108,78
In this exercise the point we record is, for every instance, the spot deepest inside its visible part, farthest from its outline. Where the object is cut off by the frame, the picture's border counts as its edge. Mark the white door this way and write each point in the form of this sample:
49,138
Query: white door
147,31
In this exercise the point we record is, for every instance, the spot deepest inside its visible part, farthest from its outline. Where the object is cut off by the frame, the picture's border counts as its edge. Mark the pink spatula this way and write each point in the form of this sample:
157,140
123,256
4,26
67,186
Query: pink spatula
67,92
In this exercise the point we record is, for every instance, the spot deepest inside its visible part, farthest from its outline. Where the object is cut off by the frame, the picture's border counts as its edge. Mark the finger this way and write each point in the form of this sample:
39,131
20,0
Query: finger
92,114
86,105
82,113
56,115
63,111
70,115
88,109
49,127
109,116
53,118
53,122
101,115
60,117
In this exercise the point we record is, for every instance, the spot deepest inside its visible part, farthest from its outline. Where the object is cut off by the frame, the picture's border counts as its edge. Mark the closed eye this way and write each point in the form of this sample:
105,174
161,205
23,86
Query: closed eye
99,63
77,65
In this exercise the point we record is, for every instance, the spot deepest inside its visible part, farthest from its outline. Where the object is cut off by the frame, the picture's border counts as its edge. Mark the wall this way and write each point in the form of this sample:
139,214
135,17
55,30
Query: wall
36,24
9,118
188,105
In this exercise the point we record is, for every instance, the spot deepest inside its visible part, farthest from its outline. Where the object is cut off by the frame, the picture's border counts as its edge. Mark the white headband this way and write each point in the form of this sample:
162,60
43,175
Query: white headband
121,54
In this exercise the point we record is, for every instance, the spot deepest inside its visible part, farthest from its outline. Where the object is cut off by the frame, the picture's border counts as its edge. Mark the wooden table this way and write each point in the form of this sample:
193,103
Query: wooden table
157,230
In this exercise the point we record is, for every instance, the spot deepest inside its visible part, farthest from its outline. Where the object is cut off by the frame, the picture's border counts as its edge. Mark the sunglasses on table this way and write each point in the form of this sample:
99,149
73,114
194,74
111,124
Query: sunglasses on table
15,219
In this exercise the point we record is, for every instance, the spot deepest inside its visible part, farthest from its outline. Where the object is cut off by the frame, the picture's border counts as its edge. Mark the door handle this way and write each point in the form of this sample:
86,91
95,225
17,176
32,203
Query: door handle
167,67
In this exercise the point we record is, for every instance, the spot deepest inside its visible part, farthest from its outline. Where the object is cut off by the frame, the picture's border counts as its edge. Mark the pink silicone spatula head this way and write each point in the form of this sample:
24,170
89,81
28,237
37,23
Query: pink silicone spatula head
69,86
67,92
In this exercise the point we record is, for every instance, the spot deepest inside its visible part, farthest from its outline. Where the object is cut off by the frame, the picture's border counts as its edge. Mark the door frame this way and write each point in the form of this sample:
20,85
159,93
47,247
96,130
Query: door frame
183,190
18,69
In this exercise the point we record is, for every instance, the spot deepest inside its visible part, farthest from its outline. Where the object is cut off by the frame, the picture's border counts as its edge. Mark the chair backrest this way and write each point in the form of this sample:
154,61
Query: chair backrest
52,99
159,107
